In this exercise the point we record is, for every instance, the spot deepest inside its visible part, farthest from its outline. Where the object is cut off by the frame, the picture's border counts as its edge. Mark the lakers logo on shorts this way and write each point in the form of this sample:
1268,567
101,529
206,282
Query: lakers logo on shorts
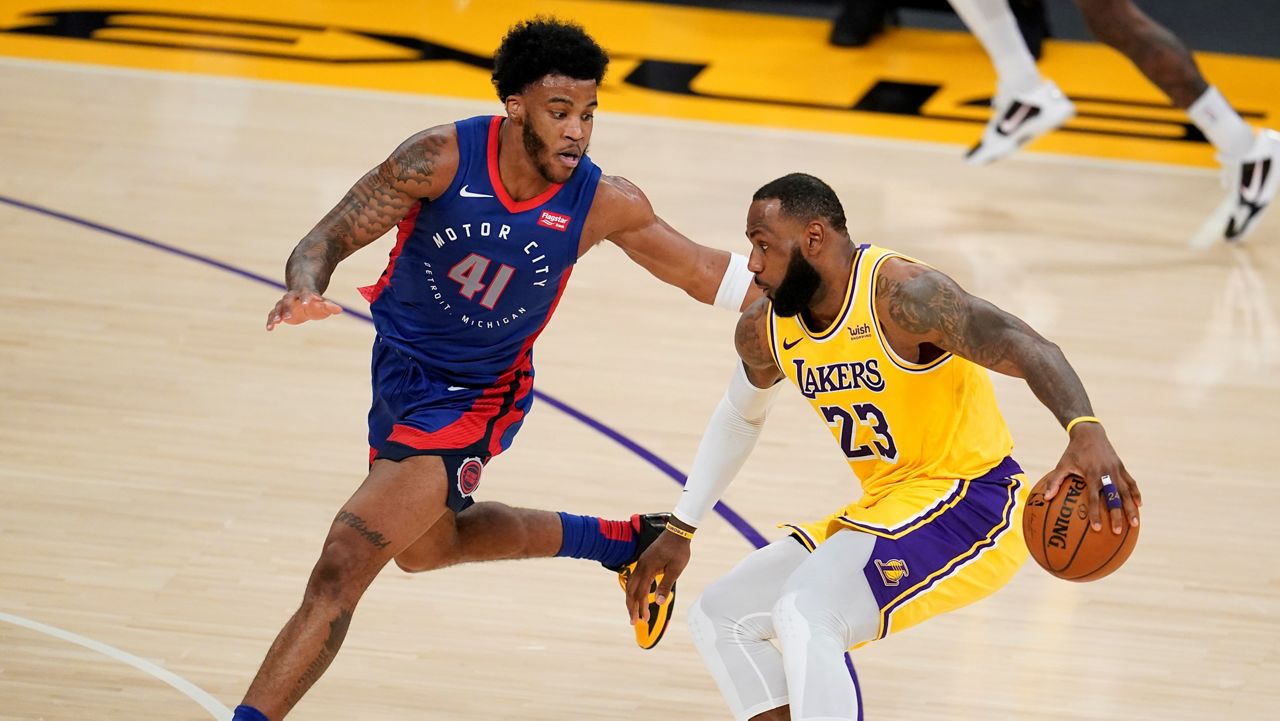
469,476
892,571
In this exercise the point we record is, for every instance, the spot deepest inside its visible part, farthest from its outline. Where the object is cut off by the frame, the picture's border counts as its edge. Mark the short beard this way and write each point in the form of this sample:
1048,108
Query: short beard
797,288
534,146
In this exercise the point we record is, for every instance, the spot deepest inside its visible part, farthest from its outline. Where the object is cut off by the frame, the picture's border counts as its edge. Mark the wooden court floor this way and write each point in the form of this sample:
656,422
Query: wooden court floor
168,469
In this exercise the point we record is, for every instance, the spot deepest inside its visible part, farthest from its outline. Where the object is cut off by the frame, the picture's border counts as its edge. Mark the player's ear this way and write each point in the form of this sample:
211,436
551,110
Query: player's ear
815,234
515,108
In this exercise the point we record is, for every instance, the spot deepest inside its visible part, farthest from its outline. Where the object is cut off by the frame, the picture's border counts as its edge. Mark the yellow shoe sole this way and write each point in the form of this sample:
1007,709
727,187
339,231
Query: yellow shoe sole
649,634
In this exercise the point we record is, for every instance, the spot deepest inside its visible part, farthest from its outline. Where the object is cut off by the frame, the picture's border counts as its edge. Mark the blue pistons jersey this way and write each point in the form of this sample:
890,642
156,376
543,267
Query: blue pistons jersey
474,275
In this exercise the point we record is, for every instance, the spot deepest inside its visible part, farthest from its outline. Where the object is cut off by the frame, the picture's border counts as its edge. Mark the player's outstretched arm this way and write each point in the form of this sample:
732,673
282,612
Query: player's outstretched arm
729,438
919,305
712,276
422,167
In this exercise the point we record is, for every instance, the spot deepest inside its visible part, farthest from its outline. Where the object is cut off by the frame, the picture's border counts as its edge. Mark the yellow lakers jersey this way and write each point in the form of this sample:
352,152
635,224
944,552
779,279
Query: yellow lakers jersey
897,422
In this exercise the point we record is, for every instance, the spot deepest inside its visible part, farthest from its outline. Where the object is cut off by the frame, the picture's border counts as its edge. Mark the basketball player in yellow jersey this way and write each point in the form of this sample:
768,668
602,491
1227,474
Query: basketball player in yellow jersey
891,355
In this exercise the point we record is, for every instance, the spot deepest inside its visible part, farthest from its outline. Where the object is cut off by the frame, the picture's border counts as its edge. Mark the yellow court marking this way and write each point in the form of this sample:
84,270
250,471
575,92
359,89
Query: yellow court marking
691,63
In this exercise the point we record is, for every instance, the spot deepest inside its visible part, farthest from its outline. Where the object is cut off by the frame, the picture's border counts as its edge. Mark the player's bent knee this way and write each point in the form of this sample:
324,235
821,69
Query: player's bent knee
343,569
717,600
731,605
727,610
805,615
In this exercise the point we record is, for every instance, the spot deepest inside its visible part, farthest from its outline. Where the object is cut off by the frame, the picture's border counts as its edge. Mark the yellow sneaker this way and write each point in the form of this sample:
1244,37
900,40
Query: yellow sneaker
648,528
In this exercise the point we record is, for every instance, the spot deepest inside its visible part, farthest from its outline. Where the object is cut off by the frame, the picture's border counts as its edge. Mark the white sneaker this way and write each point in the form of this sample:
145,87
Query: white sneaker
1253,181
1019,120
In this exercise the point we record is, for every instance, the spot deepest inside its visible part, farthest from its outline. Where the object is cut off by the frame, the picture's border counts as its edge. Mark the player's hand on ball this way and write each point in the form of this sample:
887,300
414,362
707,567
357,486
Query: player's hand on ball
1112,490
300,306
668,555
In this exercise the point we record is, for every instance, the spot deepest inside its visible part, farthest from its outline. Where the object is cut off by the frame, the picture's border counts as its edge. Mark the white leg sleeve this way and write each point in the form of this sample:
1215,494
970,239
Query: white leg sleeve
732,622
992,22
825,607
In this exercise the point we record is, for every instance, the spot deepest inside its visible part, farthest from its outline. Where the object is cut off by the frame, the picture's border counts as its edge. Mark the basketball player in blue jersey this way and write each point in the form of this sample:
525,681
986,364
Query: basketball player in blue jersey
493,213
893,356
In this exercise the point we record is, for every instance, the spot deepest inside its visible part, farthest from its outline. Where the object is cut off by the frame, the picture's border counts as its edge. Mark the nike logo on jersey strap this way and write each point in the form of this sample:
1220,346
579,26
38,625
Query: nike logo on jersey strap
789,344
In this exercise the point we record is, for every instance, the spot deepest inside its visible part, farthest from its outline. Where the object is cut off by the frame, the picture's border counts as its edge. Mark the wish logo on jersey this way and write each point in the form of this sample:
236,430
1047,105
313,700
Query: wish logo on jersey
485,281
834,377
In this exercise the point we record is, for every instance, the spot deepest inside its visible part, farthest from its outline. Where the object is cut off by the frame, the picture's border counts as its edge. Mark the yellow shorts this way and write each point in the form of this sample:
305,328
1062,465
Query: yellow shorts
940,545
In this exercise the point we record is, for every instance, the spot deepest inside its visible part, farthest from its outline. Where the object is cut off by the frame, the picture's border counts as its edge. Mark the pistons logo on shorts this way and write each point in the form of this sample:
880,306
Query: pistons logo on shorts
469,476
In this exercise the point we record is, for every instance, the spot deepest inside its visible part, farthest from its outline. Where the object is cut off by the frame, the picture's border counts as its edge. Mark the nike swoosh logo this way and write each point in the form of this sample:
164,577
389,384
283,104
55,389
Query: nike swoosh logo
789,344
457,388
1250,194
1257,173
468,194
1016,117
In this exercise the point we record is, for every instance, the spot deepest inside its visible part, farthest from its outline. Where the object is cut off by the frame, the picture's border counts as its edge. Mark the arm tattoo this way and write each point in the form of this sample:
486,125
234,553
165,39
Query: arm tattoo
752,341
373,206
935,307
932,304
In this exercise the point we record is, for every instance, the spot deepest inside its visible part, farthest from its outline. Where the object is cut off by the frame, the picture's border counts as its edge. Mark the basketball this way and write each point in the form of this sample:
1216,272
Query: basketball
1058,535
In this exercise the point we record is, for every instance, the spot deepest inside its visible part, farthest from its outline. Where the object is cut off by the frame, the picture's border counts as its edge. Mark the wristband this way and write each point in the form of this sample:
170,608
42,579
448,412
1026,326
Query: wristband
687,535
1082,419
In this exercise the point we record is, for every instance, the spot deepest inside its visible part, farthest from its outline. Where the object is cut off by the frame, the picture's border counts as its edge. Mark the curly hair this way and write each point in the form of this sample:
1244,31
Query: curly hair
545,46
805,197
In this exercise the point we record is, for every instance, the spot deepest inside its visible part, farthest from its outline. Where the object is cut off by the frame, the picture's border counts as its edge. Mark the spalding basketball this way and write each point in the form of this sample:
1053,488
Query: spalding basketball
1059,537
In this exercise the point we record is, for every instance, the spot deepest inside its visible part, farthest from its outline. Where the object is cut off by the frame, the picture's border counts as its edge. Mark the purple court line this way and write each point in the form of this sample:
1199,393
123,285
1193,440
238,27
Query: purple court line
748,532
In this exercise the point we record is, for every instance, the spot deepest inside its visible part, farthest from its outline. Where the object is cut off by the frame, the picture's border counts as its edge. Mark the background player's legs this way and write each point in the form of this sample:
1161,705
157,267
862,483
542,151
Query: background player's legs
826,607
395,505
993,24
1248,157
1158,53
1025,105
731,624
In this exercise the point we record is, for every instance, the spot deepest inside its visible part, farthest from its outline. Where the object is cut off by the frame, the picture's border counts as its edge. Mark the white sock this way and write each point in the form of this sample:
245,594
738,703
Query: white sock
1221,124
992,22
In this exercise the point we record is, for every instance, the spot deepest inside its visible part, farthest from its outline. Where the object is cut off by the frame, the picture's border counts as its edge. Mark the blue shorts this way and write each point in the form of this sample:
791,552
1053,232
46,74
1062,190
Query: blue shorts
416,414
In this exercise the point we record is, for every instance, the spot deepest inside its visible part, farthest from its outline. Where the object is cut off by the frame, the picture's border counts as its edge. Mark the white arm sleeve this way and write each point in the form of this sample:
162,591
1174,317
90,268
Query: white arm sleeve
730,435
733,286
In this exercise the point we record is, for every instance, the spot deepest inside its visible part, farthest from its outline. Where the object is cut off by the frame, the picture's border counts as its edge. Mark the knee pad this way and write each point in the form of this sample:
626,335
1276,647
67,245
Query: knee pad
727,611
802,615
